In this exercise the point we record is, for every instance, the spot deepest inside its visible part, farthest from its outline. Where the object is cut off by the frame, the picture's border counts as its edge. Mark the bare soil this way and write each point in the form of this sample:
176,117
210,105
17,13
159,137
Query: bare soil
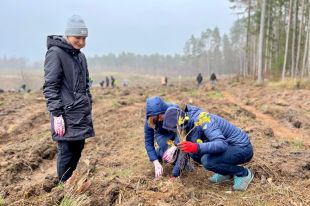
114,167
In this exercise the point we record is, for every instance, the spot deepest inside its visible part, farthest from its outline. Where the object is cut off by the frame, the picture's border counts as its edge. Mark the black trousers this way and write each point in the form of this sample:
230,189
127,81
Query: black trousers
69,153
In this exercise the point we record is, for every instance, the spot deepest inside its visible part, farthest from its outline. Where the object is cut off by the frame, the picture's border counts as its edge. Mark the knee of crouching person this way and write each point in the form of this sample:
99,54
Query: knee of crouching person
207,162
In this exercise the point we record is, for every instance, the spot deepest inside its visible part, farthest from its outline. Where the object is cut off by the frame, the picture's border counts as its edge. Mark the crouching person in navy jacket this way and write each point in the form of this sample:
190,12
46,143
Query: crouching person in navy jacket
215,143
154,131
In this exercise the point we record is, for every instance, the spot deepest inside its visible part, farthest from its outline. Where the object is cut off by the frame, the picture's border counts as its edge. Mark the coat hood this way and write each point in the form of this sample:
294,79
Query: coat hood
172,114
155,106
60,41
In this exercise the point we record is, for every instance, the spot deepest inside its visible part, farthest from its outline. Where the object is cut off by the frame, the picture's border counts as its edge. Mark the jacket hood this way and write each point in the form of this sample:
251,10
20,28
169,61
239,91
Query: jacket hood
155,106
60,41
172,114
193,112
171,118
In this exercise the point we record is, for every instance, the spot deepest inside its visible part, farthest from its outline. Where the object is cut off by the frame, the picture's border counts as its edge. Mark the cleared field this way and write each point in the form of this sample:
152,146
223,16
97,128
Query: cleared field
114,168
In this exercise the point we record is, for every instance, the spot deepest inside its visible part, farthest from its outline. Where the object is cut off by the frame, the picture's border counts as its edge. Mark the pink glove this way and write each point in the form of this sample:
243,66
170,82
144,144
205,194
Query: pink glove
59,125
158,169
168,155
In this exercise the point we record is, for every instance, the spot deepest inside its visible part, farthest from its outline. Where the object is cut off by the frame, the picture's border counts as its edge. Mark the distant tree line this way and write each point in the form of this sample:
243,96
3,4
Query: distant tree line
270,39
131,62
12,63
18,64
210,52
277,38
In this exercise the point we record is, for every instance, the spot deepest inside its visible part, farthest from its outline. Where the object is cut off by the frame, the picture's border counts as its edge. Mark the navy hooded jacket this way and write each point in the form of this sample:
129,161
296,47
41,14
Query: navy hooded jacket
156,106
215,132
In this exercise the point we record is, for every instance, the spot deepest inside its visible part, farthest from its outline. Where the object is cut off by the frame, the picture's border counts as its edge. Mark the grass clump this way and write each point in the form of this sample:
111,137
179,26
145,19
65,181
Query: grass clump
298,144
1,201
75,200
215,95
291,84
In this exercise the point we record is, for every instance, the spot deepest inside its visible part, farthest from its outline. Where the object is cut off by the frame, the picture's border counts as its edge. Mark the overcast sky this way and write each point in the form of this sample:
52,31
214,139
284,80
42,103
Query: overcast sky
139,26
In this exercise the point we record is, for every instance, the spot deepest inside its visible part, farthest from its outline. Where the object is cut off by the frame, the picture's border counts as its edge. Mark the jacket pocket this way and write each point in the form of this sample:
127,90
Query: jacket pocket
68,106
77,111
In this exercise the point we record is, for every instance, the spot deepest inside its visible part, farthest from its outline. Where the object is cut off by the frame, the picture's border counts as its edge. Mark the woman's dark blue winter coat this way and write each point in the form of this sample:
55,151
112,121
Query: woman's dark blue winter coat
66,89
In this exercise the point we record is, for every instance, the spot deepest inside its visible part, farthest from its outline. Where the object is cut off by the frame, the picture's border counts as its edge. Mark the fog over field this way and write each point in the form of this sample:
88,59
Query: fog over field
137,26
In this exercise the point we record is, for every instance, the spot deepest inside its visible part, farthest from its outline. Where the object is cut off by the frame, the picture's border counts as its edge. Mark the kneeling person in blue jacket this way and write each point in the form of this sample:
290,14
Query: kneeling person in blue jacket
215,143
154,131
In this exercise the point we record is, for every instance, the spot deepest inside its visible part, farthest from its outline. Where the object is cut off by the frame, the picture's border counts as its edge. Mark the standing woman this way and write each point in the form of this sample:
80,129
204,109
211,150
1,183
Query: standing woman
66,90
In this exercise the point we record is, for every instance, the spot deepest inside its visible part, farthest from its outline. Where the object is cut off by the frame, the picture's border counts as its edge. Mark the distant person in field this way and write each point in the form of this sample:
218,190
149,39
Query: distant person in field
213,80
125,83
199,79
23,88
67,94
164,81
112,81
215,143
101,84
107,81
154,131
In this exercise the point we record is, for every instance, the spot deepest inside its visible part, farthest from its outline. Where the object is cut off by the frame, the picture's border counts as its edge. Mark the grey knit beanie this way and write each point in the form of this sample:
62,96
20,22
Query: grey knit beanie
76,27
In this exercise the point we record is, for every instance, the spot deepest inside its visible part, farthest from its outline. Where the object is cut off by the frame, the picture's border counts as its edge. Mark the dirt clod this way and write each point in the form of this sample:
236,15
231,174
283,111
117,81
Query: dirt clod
297,124
268,132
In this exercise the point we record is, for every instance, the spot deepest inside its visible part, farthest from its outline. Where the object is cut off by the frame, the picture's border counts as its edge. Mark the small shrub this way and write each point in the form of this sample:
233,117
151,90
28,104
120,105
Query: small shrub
298,144
1,201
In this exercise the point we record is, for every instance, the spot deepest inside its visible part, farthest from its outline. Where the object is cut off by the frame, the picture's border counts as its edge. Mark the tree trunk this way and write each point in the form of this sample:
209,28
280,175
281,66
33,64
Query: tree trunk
287,40
260,75
294,38
297,68
309,49
247,39
254,55
268,40
306,49
278,33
